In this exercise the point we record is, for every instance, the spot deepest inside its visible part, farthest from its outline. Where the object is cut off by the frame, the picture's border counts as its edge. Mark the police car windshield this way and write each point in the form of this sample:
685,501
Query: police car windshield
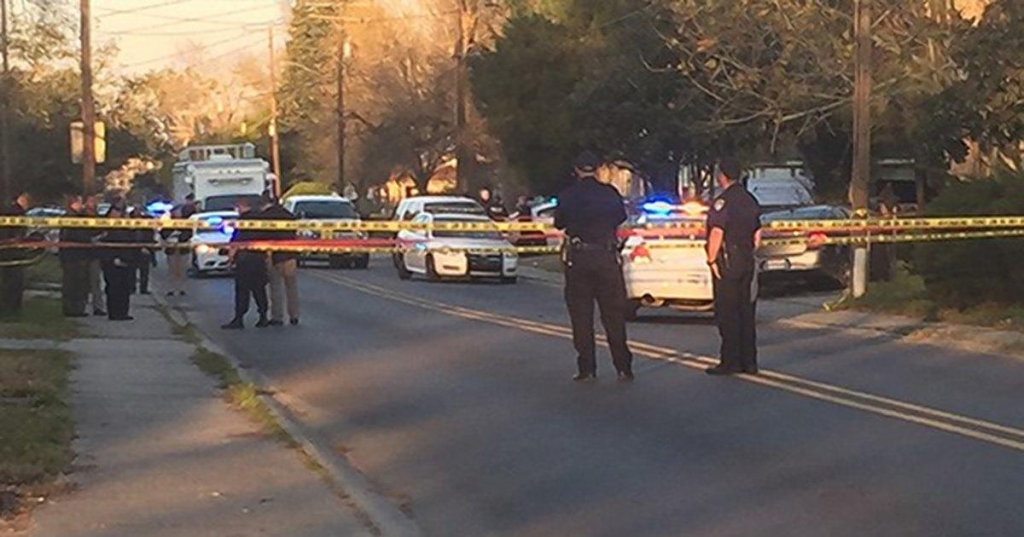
325,209
485,234
455,207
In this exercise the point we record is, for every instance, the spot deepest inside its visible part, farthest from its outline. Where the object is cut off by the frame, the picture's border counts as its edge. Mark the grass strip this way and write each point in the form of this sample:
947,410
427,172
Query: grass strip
242,395
40,318
906,294
36,427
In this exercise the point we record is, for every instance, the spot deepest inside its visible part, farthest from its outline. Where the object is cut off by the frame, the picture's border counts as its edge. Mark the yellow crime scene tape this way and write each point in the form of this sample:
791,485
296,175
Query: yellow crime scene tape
352,247
268,225
889,224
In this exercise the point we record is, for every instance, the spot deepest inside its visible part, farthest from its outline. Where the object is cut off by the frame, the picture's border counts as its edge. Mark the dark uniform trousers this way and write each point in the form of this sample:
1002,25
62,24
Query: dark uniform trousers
118,289
250,283
736,317
75,286
595,275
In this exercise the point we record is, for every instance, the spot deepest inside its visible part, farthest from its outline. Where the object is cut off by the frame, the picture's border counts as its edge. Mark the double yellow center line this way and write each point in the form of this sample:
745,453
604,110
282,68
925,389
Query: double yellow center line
977,429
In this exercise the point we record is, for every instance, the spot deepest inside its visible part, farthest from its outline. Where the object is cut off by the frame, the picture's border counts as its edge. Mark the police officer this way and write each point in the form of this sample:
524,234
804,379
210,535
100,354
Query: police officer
74,262
12,273
734,232
590,213
250,272
282,268
118,266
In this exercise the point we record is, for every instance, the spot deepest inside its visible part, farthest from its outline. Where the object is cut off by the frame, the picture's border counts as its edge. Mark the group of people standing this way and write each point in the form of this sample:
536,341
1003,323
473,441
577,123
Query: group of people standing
101,267
590,212
256,269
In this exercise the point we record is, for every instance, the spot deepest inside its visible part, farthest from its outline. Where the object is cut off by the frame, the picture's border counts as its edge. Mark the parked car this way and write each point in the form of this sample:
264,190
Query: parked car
42,233
667,267
810,259
328,208
542,213
438,254
409,208
210,253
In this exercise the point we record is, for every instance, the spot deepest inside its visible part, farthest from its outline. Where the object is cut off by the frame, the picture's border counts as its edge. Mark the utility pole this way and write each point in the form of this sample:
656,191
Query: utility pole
275,146
464,154
88,106
343,50
860,180
5,114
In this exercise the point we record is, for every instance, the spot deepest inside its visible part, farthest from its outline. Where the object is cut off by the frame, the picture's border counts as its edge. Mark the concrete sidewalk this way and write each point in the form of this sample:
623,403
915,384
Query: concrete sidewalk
159,452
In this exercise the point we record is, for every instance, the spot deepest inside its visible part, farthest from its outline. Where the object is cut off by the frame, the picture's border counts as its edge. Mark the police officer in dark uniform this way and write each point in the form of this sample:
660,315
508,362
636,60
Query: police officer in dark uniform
734,232
118,266
590,213
74,262
251,276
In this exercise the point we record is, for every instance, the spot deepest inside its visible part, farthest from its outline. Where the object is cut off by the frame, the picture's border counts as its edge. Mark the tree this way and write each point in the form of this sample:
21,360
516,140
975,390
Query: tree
988,102
663,81
307,93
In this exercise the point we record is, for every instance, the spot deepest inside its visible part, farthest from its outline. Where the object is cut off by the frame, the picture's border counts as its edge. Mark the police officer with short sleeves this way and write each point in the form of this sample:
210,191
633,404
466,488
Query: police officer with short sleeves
590,213
734,233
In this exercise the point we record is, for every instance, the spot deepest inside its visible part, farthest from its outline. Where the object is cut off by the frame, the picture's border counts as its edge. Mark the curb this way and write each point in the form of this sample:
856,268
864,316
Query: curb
343,476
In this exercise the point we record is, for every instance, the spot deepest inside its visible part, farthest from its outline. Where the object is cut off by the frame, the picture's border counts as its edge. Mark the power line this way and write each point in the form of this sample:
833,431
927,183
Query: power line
249,27
175,20
201,49
112,13
372,20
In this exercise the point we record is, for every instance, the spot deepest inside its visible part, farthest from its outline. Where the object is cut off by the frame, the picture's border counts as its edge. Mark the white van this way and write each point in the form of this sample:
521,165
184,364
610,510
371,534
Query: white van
780,186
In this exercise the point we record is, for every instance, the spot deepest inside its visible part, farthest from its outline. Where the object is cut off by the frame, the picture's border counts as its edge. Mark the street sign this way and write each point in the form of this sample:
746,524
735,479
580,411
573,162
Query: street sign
78,143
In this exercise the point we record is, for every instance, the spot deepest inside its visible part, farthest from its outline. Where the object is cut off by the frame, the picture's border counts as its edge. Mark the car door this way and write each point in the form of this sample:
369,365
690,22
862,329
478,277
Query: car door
415,242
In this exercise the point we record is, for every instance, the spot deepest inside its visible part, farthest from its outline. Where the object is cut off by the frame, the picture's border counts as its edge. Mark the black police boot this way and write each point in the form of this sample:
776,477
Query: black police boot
275,322
263,322
235,324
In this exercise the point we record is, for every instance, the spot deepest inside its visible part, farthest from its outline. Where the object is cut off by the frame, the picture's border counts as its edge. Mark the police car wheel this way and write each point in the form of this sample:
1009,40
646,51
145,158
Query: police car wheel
509,280
432,270
403,273
362,263
338,262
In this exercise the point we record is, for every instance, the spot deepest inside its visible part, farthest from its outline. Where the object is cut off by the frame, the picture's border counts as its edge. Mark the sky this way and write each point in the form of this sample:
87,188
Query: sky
153,34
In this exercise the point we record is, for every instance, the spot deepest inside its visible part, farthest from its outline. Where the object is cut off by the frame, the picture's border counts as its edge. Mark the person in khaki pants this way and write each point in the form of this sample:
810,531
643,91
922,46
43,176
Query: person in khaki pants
283,274
282,267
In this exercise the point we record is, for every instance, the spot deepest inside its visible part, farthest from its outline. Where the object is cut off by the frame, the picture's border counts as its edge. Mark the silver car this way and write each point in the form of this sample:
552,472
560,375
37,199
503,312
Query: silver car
808,259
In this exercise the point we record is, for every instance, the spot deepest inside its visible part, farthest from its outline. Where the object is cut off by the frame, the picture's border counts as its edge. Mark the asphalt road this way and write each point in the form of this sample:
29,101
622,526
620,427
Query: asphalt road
455,400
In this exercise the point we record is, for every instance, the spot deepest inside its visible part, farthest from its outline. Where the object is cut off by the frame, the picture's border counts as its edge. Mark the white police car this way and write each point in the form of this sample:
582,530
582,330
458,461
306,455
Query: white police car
666,266
438,254
210,246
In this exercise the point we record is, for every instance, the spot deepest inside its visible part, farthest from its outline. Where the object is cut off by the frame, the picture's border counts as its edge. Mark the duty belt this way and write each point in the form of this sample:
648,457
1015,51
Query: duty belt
577,244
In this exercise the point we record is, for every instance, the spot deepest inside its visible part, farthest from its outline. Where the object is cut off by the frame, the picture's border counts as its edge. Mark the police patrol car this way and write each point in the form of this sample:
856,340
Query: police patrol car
667,266
210,246
439,254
